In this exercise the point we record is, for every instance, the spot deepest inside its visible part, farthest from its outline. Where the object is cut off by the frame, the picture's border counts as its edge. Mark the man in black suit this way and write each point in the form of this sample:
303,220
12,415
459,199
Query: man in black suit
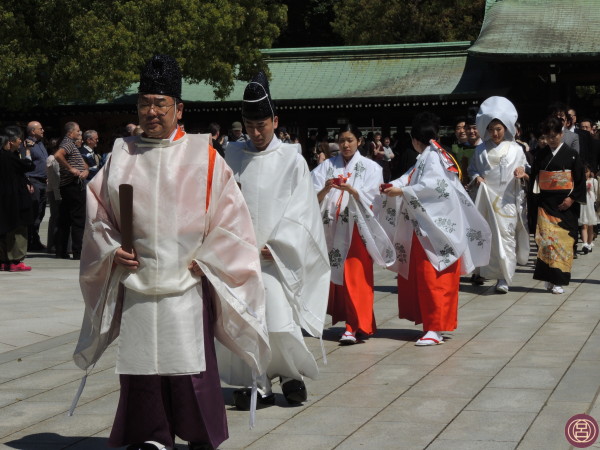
592,156
561,111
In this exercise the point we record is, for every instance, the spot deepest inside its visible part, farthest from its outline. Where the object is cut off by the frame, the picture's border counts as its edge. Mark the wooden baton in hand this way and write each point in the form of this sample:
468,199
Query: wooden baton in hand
126,210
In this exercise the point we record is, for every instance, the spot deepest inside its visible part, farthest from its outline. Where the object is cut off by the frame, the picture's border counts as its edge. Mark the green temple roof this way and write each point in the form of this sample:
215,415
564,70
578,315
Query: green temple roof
539,30
410,71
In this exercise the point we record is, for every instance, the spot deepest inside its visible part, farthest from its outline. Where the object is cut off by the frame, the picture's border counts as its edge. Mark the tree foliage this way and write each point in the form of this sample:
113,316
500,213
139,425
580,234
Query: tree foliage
60,51
369,22
309,24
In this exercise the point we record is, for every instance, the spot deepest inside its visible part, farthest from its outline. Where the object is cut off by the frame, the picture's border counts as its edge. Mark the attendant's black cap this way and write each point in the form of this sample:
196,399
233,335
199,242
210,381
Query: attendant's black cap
257,102
161,75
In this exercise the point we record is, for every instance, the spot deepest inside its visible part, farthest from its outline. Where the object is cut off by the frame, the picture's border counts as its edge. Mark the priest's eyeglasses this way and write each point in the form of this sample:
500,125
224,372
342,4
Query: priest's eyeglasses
159,109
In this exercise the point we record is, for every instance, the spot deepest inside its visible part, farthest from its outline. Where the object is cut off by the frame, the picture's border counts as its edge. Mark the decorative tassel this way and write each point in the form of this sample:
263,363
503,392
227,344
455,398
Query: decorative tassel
323,350
253,399
78,394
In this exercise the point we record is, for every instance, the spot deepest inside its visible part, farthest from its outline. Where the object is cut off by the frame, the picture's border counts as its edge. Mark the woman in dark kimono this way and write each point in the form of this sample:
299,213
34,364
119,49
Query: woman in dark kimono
559,187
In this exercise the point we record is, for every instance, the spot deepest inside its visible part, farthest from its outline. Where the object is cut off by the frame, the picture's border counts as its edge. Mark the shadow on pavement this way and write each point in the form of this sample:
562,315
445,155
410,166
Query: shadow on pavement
53,441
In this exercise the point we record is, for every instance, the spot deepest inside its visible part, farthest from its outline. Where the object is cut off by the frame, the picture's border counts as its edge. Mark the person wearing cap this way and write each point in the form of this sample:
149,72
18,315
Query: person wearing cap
497,170
276,184
236,133
193,275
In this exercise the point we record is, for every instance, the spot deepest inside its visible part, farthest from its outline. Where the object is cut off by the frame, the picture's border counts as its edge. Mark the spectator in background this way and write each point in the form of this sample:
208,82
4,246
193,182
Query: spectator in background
130,127
560,111
383,155
237,134
406,156
593,155
215,131
463,150
88,152
460,130
73,173
323,151
15,200
573,116
284,136
588,218
525,146
53,171
37,178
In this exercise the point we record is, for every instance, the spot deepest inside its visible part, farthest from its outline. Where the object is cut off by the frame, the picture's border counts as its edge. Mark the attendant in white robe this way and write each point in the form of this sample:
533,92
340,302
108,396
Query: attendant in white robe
276,184
346,186
497,170
193,275
437,232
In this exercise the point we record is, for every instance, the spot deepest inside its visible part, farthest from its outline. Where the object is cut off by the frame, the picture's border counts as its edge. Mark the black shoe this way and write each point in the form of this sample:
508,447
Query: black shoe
199,446
63,256
294,391
242,397
586,250
36,247
477,279
143,446
76,256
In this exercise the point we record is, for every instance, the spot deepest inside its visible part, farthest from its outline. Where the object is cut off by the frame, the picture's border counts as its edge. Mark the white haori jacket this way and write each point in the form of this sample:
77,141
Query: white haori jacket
501,200
171,227
278,191
340,211
434,206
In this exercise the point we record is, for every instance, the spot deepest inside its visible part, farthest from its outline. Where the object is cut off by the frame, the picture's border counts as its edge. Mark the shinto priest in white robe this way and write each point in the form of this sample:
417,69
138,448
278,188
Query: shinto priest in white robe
340,211
285,213
434,206
157,309
501,199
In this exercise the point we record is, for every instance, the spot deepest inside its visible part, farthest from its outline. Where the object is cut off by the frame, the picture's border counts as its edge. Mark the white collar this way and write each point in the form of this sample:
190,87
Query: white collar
554,152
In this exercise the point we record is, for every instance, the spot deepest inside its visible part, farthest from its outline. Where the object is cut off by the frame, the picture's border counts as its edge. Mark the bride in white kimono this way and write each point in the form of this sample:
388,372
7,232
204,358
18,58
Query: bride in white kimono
496,169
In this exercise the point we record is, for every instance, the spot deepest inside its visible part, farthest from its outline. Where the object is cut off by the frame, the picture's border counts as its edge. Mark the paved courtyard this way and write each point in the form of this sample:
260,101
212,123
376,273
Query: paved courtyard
517,368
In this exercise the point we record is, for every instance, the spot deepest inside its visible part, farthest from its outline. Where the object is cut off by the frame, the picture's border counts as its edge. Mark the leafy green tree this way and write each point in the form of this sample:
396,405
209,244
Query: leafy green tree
60,51
369,22
309,24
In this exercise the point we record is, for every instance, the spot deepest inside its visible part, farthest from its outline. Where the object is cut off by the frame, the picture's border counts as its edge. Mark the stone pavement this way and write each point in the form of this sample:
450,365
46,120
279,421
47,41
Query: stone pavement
517,368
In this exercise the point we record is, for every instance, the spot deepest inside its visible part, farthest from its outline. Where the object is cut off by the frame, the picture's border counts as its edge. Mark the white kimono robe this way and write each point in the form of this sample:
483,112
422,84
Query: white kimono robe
284,209
157,309
501,200
340,211
435,207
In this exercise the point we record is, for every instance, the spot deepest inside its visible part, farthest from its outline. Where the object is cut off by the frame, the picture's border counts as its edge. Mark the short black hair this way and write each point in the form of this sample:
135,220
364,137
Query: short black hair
551,124
459,119
13,132
425,127
557,107
214,128
352,129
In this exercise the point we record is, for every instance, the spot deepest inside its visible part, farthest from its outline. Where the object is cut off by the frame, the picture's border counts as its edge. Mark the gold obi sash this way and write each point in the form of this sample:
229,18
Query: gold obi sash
556,181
